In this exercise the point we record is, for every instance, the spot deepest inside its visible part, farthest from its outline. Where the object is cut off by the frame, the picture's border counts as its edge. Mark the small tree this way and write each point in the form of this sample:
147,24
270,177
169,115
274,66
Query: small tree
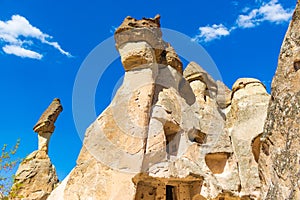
7,164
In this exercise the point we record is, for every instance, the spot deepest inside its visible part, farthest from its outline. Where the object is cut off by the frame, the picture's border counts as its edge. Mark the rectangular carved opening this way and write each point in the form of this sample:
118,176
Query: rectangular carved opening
172,142
170,192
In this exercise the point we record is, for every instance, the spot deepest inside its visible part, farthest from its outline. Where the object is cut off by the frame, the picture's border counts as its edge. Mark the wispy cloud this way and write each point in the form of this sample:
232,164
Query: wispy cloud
21,52
17,31
209,33
272,12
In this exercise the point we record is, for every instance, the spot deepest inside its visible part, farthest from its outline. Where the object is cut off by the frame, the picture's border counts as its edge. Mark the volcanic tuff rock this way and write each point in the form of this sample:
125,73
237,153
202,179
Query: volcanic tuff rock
45,125
280,158
169,134
36,176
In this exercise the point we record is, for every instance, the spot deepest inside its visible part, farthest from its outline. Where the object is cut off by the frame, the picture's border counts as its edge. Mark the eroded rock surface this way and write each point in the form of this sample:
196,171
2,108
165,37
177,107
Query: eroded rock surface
36,177
45,125
245,122
169,133
280,158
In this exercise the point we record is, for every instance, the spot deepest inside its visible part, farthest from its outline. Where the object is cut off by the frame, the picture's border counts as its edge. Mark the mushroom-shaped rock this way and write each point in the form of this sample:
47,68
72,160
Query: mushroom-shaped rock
247,86
140,44
45,125
36,177
245,123
195,72
243,82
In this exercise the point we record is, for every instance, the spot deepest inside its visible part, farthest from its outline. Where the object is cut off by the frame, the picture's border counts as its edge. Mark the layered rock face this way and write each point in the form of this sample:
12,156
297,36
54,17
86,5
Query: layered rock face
168,133
280,158
36,177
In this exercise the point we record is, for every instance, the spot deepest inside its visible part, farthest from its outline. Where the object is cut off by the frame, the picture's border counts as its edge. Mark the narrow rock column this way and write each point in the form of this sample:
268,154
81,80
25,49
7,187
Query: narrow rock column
36,176
245,122
45,125
280,157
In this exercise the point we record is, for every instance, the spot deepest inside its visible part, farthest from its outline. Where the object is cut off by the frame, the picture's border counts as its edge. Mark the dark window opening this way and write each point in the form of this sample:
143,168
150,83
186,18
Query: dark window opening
172,145
170,193
297,65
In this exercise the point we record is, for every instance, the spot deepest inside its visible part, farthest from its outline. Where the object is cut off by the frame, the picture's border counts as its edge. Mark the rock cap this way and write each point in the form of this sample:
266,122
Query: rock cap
242,82
48,118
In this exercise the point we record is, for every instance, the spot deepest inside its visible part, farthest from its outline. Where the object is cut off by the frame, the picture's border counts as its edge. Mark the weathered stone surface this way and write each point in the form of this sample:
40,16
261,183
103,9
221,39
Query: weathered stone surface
48,118
279,160
35,178
136,55
170,133
137,39
58,193
45,125
173,59
195,72
223,95
245,122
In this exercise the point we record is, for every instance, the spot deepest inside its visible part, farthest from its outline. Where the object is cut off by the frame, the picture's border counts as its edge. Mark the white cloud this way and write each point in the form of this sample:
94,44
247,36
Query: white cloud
272,12
21,52
18,31
209,33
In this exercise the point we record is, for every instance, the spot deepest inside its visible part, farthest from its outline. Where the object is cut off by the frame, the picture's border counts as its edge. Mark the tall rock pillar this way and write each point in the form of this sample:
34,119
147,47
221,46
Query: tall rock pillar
280,158
45,125
36,176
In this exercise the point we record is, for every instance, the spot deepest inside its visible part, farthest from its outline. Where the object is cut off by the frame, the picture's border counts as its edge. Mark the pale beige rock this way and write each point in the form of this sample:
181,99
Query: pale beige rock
35,178
217,149
168,133
173,59
223,95
45,125
136,55
195,72
115,143
245,122
58,192
146,30
279,160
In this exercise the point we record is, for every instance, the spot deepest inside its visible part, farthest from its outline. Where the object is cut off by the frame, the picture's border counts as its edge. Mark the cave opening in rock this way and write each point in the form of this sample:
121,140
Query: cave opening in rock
172,144
170,192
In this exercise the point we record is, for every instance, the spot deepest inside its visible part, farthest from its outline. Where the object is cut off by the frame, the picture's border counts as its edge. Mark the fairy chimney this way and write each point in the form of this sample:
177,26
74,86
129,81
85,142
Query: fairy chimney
45,125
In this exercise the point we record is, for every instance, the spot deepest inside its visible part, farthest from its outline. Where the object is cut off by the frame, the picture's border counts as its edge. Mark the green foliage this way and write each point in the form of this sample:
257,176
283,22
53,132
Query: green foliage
7,164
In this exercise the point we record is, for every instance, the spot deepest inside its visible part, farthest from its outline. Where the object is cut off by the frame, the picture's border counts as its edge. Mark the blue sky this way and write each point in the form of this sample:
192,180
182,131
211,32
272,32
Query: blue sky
43,43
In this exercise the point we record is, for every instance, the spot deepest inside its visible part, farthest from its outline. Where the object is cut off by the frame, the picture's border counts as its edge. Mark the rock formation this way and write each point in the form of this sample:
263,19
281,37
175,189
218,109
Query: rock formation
169,133
245,122
45,125
280,158
36,176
